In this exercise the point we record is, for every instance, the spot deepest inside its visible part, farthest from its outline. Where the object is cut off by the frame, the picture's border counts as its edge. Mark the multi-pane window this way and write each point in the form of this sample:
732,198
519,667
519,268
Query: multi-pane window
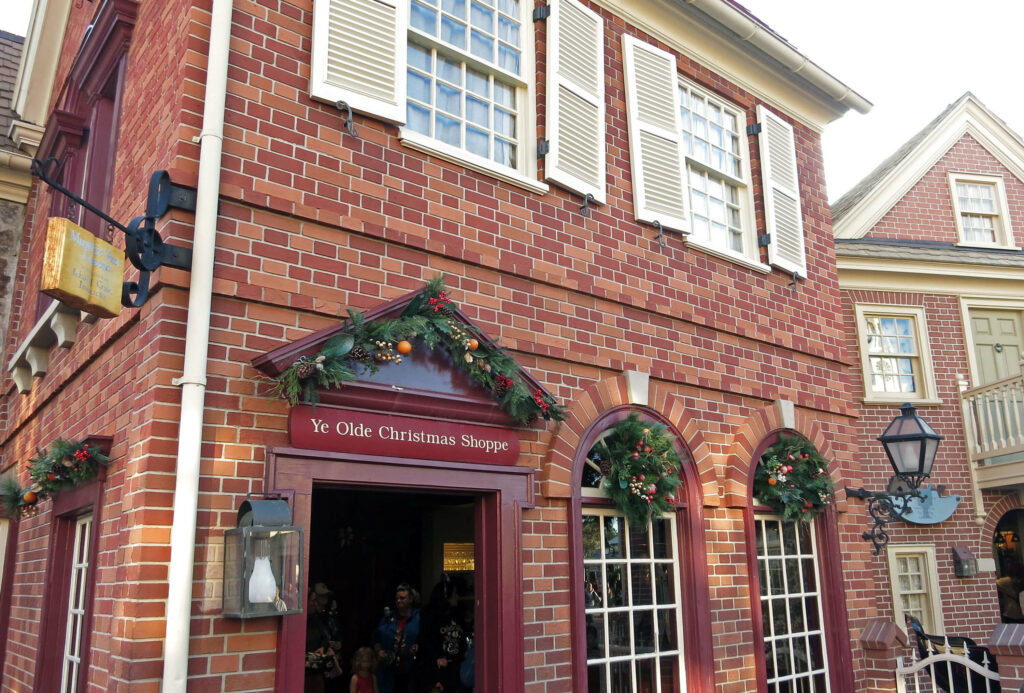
977,211
72,660
713,142
913,575
894,353
794,642
632,604
464,80
979,203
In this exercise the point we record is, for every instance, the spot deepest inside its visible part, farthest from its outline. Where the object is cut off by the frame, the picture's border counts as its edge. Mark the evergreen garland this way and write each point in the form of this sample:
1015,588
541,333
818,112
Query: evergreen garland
793,479
640,467
66,464
430,318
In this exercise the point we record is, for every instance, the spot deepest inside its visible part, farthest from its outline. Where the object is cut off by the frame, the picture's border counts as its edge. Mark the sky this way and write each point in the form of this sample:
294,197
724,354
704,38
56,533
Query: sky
910,58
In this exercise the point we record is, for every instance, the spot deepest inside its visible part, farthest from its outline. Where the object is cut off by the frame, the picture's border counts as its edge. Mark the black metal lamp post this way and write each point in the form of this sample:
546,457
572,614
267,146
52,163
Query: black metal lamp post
911,444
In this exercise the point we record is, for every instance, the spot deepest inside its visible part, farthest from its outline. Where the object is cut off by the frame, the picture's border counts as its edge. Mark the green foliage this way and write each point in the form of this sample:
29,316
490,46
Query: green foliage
11,494
642,468
792,478
66,464
63,466
368,345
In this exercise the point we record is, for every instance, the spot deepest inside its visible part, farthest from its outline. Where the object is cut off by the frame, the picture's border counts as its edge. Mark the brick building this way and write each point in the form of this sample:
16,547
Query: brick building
669,254
930,270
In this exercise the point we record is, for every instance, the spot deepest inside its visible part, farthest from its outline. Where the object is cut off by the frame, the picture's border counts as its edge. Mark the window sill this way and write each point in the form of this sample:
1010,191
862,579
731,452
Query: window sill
56,327
427,145
728,255
916,401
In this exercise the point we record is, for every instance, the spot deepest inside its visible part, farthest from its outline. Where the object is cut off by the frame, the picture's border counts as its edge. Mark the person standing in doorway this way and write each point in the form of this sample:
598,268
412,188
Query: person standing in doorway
395,643
443,638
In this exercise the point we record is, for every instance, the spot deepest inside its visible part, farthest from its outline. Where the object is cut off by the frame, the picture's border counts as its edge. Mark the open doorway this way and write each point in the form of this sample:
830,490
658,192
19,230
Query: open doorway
1009,557
364,542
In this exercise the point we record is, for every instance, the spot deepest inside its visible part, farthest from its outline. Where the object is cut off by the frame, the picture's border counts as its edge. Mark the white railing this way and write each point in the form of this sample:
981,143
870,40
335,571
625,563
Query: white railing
948,669
994,418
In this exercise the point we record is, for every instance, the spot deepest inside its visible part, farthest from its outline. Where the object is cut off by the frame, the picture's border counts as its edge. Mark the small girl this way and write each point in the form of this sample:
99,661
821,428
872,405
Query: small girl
363,680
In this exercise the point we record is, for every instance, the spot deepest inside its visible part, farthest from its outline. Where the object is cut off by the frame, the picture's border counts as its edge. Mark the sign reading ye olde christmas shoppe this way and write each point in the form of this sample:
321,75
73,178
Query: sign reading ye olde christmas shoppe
81,270
364,433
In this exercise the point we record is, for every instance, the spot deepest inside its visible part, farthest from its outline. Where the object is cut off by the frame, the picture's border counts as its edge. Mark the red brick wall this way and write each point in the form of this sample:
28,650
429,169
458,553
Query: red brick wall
926,211
314,221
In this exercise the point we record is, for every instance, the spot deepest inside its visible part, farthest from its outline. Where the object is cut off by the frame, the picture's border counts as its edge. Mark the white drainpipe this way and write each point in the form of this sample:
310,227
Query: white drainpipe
197,340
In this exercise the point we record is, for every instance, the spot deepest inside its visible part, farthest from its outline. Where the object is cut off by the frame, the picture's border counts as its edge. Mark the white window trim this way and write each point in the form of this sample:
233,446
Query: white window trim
673,542
1004,229
767,626
751,254
428,145
931,574
525,175
927,376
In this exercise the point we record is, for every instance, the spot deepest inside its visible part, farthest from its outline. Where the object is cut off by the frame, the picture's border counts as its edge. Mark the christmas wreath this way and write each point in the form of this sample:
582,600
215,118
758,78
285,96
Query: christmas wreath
366,345
640,467
793,479
64,465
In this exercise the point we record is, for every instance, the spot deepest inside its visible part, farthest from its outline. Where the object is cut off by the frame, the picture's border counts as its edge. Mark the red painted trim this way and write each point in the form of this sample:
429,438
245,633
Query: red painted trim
501,492
836,632
698,655
68,506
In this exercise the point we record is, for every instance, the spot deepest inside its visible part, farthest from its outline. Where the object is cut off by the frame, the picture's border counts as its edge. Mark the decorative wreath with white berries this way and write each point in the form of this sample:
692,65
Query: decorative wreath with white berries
640,466
793,479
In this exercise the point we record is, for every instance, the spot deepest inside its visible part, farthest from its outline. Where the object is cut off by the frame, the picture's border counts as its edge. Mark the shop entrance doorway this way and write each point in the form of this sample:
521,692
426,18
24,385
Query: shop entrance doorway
363,542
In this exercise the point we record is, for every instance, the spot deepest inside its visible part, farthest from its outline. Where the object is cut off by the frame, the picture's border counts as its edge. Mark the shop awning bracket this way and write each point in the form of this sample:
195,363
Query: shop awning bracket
144,247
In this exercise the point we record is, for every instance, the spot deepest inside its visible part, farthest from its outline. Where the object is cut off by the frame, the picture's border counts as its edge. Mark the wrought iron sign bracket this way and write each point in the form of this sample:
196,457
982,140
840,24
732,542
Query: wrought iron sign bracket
884,507
144,247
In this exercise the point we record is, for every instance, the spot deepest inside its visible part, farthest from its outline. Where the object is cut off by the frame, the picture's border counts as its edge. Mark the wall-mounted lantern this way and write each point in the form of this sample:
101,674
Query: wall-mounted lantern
911,444
964,563
263,562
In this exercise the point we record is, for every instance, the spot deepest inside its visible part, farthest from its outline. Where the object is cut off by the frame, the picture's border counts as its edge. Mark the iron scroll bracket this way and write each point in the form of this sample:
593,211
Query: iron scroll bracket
144,247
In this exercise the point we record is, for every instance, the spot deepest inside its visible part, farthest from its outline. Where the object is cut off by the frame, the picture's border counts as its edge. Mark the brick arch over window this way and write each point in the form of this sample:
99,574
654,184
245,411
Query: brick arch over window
983,545
752,438
557,477
589,416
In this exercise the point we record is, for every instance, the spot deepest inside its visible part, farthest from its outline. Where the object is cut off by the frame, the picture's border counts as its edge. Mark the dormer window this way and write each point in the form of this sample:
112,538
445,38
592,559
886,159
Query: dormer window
979,202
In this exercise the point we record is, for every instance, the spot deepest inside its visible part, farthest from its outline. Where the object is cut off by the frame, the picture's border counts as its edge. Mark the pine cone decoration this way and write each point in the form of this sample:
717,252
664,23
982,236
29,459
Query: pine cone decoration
606,467
447,312
500,387
358,353
305,369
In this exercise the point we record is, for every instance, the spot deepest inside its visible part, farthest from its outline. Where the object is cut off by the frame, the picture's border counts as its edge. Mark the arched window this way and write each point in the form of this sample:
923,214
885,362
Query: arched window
634,625
793,584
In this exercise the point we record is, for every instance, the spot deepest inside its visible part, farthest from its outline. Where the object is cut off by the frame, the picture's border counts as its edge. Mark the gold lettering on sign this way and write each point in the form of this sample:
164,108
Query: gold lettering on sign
81,270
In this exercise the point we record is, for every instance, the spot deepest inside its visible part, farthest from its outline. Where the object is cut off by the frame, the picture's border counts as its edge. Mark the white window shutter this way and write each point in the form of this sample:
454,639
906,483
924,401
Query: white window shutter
575,99
359,55
781,193
655,135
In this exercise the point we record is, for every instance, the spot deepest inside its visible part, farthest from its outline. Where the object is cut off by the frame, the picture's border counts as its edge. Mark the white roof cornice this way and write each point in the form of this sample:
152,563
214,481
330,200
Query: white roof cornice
967,116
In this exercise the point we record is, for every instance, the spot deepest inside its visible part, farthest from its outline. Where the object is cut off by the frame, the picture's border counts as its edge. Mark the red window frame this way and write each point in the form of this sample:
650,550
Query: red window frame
691,552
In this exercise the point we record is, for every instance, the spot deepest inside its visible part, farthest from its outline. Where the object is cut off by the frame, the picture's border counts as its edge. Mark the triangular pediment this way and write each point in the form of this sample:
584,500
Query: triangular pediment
426,383
857,211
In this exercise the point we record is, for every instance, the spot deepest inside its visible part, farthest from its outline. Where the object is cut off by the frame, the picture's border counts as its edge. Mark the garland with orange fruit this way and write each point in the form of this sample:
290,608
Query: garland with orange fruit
364,346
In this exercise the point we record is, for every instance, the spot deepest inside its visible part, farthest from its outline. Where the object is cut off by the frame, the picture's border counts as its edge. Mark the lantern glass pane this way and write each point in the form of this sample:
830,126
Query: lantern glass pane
906,455
263,571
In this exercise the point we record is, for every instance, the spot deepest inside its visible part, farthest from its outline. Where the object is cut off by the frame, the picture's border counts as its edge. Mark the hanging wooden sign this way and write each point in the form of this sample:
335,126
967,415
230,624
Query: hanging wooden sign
81,270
